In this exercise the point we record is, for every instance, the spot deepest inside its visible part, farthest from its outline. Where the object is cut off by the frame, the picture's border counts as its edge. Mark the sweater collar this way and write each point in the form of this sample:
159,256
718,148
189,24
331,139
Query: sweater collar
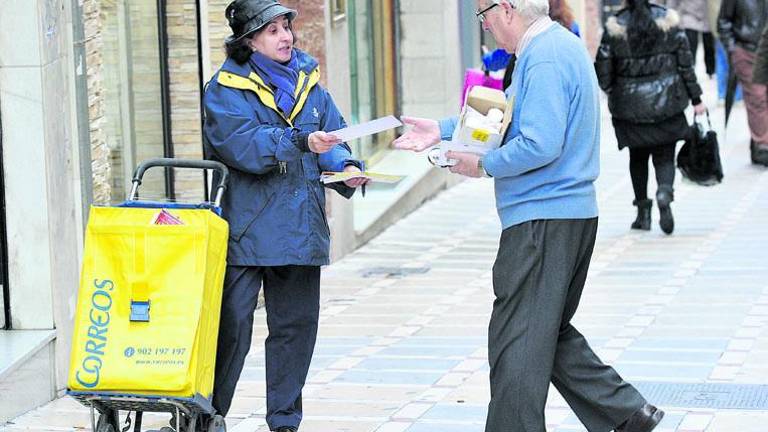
536,28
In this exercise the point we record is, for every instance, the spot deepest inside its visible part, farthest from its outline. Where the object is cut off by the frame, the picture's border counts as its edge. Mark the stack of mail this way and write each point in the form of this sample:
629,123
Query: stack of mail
165,218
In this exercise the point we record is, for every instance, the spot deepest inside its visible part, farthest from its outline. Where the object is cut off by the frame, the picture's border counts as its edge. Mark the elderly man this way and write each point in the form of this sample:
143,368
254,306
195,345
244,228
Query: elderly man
545,196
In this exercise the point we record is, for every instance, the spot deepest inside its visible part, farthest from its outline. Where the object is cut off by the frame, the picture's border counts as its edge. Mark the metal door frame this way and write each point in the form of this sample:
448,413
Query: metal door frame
6,323
165,100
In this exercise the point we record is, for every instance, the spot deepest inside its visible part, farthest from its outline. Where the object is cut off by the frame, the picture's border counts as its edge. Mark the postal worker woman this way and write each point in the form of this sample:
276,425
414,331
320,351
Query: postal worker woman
266,119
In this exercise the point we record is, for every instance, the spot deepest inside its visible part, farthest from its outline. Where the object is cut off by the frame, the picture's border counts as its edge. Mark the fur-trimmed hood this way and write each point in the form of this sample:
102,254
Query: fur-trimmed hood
665,19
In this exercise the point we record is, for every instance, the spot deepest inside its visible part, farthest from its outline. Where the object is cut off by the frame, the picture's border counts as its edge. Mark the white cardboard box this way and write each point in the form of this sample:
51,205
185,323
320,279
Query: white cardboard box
480,141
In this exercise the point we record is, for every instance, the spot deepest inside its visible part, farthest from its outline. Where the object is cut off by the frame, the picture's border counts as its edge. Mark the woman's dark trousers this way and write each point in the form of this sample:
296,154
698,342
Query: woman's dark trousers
538,283
292,297
663,163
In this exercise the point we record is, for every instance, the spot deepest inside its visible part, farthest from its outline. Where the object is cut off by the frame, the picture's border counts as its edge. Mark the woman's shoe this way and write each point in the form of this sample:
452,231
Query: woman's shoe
664,197
643,221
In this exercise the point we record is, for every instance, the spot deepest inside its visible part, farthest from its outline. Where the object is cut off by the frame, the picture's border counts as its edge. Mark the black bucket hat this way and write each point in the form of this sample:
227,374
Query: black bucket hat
247,16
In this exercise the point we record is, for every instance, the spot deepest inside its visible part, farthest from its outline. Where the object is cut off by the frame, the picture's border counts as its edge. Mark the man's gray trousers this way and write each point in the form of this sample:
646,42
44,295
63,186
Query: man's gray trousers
538,278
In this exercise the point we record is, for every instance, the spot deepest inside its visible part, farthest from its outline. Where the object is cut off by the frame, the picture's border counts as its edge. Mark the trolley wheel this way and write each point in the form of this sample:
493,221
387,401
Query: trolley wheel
216,424
108,421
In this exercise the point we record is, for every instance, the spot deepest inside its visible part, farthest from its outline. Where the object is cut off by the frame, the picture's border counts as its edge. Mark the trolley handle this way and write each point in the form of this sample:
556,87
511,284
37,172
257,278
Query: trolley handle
138,174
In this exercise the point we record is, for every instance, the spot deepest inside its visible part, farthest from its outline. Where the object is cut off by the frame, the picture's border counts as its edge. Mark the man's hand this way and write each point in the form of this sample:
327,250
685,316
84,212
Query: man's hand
700,108
355,182
466,165
321,142
424,134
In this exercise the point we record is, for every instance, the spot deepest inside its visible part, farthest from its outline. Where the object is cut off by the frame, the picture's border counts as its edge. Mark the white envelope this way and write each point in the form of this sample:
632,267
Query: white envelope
368,128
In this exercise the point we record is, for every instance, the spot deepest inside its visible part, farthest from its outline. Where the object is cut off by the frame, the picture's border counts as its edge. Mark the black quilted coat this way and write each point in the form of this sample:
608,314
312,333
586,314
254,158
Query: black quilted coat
646,72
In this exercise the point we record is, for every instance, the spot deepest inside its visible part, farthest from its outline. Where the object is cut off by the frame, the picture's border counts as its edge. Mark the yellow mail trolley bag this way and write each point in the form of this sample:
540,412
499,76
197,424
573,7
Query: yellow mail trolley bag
147,317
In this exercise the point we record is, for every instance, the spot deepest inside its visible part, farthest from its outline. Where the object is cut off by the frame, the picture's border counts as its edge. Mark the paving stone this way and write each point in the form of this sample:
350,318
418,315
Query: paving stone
354,409
361,392
738,421
412,411
446,427
386,377
733,358
394,427
695,422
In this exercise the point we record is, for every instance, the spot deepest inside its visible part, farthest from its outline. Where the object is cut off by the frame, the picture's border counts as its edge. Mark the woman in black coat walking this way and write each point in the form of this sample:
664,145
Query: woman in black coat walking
645,65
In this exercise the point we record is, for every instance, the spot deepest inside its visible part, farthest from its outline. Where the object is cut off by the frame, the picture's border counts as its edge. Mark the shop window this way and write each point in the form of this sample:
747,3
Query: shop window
374,70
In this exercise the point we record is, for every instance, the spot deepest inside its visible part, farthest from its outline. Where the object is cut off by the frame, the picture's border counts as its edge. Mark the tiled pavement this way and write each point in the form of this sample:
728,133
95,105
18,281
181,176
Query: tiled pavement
403,321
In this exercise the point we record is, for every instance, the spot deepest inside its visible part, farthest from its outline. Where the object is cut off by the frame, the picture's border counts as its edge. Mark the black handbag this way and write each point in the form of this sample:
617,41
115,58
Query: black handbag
699,158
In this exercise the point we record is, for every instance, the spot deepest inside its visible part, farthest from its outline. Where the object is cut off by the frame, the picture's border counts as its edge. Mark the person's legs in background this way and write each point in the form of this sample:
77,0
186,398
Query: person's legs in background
756,101
693,42
664,165
638,171
708,40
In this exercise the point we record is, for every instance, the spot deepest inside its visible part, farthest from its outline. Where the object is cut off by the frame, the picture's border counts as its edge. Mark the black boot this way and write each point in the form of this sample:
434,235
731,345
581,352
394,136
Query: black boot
664,197
759,154
643,221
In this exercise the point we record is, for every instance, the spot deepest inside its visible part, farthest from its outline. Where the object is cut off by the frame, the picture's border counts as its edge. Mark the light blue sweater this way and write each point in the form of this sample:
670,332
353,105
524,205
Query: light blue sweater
548,163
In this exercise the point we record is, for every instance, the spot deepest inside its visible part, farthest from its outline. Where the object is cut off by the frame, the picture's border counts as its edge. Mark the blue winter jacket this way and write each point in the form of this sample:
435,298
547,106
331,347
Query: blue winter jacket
275,203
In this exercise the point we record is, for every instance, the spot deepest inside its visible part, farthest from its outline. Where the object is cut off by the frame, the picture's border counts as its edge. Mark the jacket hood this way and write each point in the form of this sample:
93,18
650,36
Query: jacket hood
665,19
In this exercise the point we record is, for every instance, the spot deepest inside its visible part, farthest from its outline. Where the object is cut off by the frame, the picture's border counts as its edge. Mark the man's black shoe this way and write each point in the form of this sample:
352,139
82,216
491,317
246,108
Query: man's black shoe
285,429
758,153
643,420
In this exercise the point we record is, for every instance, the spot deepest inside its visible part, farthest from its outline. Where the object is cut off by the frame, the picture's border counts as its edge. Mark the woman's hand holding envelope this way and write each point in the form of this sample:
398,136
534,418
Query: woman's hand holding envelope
322,142
357,181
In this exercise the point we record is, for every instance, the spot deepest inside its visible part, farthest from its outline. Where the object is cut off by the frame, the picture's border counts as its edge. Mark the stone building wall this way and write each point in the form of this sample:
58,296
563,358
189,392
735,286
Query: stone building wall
218,30
100,164
310,30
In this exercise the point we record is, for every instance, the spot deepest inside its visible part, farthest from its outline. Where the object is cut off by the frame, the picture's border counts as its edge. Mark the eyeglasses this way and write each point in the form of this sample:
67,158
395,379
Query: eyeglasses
481,13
